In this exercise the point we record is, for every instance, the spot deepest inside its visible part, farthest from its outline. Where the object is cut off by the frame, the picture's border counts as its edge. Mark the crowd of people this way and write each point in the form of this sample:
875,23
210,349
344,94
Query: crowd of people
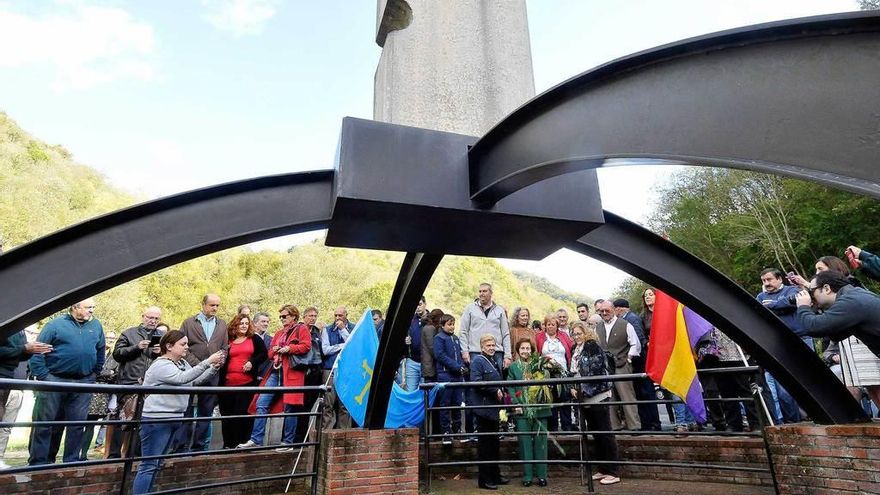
486,343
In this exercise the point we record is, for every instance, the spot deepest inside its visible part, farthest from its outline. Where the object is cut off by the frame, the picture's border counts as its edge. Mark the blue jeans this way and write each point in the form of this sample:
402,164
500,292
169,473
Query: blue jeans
413,372
47,407
155,440
264,402
683,416
786,408
450,421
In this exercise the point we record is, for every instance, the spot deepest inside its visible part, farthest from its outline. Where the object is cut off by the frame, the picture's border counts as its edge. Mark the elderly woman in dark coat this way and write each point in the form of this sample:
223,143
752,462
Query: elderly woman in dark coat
483,369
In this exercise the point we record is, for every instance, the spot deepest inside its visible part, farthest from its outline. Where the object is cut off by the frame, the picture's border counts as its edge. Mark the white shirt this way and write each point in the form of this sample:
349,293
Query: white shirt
554,349
635,347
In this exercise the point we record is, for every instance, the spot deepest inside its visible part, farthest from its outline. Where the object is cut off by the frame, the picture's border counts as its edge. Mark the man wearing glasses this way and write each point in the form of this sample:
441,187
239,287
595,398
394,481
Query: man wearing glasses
134,354
333,339
847,311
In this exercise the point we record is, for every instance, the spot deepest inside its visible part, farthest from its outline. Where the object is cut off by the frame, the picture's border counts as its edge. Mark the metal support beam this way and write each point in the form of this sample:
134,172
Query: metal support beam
66,266
415,273
688,279
797,98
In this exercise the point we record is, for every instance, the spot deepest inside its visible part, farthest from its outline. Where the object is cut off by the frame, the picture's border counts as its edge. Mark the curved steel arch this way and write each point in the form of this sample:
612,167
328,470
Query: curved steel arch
64,267
797,98
641,253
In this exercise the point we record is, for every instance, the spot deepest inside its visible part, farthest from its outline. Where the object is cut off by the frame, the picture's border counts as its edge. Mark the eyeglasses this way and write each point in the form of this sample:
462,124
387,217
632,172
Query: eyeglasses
283,317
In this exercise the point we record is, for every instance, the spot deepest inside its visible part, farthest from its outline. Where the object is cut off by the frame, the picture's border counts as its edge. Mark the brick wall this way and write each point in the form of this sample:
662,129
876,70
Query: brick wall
738,451
177,473
369,462
826,460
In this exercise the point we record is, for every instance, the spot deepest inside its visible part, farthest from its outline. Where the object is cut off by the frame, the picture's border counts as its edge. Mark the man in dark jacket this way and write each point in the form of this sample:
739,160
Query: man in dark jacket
134,355
133,351
77,356
847,311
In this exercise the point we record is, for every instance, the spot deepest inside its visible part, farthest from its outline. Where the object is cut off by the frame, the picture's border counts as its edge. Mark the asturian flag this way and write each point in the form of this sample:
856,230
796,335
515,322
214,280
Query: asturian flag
354,368
354,372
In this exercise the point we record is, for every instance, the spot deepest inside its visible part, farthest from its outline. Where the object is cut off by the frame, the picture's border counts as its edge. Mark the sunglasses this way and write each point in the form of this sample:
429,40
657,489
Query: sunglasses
283,317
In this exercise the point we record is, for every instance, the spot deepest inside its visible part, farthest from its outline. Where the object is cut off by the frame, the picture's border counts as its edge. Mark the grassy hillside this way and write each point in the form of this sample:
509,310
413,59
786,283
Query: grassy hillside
43,189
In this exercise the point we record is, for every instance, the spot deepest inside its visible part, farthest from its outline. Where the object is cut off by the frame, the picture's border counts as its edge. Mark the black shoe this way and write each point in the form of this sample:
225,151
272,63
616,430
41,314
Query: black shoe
542,482
488,486
502,481
526,483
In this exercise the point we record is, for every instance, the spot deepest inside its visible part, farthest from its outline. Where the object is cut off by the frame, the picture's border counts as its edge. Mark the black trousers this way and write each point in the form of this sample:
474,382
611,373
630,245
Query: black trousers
598,418
487,450
235,431
737,385
644,390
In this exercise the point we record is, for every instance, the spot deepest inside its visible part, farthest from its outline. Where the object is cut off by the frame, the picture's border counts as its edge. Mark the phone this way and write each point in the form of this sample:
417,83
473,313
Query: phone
154,340
854,262
791,276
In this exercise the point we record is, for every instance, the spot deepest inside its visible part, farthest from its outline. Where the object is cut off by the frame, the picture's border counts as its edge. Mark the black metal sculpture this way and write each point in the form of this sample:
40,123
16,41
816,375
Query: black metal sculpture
712,100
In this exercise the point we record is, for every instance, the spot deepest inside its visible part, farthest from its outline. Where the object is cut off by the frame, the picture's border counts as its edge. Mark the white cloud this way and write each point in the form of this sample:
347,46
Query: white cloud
84,46
239,17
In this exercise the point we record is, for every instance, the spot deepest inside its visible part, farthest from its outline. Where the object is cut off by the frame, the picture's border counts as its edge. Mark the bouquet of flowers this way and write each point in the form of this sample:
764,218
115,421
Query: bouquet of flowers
539,368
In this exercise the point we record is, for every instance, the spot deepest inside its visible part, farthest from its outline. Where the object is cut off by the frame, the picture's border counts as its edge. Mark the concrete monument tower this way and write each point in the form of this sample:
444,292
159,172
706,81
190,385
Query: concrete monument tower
457,66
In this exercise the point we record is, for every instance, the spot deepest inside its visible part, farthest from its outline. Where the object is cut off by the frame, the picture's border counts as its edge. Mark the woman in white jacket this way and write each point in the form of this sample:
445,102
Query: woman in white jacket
169,369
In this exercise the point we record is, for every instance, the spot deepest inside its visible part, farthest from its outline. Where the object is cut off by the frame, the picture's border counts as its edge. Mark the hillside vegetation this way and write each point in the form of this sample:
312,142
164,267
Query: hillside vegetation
43,189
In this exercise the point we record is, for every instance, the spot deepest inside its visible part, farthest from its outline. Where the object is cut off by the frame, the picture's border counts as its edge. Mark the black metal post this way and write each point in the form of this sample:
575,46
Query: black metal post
428,432
762,421
130,436
318,431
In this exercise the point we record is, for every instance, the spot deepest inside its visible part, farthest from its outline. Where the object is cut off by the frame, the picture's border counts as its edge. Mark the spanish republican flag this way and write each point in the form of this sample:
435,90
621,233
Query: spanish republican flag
675,331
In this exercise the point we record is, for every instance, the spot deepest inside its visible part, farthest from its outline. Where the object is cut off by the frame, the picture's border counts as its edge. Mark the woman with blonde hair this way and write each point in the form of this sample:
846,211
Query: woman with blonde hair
485,369
589,359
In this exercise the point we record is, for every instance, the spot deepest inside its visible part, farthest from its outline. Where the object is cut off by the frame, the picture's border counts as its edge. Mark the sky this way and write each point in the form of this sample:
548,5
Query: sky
170,95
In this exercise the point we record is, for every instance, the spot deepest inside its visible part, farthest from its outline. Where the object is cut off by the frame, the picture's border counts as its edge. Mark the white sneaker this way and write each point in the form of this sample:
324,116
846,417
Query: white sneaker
284,448
3,465
247,445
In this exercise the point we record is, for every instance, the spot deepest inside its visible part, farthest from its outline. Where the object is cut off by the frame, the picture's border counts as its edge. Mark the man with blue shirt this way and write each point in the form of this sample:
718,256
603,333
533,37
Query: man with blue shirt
780,299
333,339
77,342
206,334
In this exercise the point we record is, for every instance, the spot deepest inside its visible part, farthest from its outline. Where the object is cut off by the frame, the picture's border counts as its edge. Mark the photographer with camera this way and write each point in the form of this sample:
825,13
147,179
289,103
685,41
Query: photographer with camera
847,310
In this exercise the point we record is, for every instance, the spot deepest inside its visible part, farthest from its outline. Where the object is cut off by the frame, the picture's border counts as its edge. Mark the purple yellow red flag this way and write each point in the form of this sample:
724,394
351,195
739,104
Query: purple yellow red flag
675,331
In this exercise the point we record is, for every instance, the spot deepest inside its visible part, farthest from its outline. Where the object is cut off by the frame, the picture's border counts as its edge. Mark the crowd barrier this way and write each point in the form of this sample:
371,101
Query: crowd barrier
584,461
128,460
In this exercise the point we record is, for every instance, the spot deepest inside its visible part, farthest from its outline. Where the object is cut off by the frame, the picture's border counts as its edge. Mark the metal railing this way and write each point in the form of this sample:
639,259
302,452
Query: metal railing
128,460
584,461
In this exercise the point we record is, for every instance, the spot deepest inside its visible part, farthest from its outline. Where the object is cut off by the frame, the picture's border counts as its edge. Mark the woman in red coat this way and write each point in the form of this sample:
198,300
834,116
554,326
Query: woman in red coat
293,338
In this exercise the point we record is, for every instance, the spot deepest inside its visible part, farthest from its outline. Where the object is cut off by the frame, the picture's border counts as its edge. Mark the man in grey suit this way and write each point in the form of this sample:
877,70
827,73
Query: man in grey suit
618,337
206,334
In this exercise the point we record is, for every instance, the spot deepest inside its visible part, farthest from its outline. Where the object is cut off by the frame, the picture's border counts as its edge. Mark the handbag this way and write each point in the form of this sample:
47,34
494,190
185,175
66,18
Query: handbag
309,359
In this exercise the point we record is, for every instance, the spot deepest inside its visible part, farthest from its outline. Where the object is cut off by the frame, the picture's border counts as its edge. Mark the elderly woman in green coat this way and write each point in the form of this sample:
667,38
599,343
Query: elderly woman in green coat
530,366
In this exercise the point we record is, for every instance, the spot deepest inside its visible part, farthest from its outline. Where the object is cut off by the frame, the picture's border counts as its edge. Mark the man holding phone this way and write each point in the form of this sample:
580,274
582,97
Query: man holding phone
134,351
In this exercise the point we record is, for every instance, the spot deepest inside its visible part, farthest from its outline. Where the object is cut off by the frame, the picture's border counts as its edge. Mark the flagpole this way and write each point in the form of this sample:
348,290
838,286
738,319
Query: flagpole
745,362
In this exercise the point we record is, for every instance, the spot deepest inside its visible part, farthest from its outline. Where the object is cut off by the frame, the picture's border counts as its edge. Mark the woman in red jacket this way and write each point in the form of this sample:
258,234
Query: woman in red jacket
293,338
557,346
